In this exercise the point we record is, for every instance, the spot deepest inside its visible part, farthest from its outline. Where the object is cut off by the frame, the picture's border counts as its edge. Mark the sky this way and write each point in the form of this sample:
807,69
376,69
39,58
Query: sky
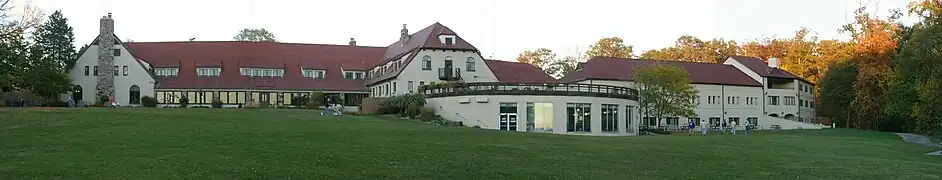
500,29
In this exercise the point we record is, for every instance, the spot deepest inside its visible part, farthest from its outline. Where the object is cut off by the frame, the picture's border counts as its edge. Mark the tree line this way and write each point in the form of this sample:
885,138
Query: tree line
35,54
887,76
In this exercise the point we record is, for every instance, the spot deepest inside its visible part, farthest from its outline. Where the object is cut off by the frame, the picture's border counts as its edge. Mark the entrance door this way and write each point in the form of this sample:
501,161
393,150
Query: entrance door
508,121
263,99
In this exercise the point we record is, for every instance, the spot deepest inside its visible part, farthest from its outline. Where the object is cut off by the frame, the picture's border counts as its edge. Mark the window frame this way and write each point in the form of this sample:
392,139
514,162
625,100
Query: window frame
469,64
427,63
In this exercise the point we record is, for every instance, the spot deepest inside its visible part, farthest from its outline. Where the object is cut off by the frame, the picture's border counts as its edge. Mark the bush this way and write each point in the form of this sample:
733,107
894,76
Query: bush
399,104
55,103
102,100
148,101
316,100
413,111
217,103
428,114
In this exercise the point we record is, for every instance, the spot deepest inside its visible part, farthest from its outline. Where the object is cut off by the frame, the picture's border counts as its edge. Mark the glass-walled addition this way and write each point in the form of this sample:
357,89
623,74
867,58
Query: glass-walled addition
628,118
508,116
579,117
540,117
273,99
609,118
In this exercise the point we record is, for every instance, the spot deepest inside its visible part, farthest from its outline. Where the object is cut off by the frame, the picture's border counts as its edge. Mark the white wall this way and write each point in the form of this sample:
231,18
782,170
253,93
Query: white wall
485,114
413,71
137,75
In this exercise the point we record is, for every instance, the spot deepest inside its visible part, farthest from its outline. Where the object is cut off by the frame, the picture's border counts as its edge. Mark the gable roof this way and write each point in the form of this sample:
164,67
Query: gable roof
761,67
620,69
116,42
514,72
426,38
230,56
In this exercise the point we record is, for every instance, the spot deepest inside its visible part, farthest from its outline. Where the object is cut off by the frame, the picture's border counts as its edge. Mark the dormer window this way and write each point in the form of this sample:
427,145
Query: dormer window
316,74
165,71
208,71
353,74
447,39
262,72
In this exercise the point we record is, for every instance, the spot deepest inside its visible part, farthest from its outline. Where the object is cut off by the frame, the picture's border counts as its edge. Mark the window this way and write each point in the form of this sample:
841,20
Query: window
254,72
316,74
673,121
348,75
578,117
135,95
86,70
789,100
353,75
734,120
410,87
421,83
609,118
394,88
359,75
714,121
753,120
117,52
650,121
387,89
628,116
469,64
115,71
96,71
539,117
166,71
447,39
208,71
729,100
426,63
773,100
125,70
801,102
696,121
508,116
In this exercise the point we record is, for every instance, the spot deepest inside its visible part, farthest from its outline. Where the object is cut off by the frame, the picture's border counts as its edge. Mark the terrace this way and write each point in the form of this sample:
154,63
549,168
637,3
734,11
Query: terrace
550,89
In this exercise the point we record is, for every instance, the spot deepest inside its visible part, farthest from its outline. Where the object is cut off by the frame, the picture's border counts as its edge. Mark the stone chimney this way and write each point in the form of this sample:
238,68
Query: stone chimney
106,42
773,62
404,34
353,42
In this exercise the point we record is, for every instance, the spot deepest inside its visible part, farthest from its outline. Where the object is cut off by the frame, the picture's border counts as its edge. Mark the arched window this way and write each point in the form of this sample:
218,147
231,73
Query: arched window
426,63
77,93
469,64
135,95
448,62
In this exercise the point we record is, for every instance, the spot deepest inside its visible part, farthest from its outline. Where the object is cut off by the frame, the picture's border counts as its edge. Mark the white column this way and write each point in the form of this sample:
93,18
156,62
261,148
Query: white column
596,116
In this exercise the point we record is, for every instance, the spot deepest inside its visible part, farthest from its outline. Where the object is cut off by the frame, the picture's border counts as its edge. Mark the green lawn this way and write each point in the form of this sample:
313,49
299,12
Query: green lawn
298,144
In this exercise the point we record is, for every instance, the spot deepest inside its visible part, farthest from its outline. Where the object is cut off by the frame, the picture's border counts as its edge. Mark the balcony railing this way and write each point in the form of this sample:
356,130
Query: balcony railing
449,74
549,89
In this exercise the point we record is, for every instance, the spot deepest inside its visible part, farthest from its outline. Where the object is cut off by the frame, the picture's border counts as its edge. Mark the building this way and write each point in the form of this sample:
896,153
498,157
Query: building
597,99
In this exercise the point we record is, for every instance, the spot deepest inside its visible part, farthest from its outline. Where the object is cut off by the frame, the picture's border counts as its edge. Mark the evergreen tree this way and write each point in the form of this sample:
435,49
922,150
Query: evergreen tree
49,58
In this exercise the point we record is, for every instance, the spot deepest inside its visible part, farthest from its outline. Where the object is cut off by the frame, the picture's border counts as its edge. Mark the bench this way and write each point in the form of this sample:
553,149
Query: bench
775,127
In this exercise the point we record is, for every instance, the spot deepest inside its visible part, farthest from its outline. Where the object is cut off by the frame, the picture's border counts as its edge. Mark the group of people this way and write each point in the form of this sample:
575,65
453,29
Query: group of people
691,125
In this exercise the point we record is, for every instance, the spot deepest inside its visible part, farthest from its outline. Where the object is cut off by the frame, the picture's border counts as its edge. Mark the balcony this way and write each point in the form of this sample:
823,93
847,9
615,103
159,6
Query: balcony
449,74
548,89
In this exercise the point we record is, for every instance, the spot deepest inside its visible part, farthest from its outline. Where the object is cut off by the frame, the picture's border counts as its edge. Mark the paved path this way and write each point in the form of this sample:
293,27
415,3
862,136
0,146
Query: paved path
922,140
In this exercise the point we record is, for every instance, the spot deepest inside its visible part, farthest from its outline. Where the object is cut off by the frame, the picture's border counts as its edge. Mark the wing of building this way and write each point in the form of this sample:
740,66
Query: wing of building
598,98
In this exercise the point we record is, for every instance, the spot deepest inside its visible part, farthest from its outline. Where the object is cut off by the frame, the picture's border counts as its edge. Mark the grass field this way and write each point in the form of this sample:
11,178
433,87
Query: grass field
298,144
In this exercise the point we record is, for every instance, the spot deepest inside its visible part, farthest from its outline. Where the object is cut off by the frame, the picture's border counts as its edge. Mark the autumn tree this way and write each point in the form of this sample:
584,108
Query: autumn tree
913,97
610,47
255,35
692,49
665,91
539,57
546,59
875,42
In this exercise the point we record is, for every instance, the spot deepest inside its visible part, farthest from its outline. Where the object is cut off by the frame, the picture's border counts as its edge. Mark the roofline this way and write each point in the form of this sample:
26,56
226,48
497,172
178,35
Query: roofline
136,59
259,43
609,79
409,60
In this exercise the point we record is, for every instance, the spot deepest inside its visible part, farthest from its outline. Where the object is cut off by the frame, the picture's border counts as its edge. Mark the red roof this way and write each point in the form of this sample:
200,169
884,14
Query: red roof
608,68
423,39
514,72
231,55
762,68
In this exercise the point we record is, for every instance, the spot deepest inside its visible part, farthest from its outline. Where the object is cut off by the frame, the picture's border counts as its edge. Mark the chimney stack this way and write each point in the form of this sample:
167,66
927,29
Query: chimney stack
353,42
106,42
773,62
404,34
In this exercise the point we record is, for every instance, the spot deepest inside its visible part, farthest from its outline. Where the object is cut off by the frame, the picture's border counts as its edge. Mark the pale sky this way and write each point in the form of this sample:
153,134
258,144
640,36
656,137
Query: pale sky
502,28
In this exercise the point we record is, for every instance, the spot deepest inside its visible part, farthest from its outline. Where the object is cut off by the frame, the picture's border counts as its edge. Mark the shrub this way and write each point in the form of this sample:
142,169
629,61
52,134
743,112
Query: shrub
102,100
399,104
217,103
316,100
413,111
148,101
428,114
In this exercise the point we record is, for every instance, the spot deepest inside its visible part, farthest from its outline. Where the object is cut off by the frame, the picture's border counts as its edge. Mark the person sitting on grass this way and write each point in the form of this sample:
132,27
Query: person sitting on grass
690,127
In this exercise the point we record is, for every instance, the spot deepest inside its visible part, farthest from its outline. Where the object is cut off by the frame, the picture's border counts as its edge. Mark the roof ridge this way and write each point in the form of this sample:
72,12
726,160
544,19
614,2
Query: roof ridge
250,42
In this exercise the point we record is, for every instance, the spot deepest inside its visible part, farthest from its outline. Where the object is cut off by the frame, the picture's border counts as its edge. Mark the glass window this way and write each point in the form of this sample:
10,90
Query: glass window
115,71
95,73
508,116
628,117
578,117
86,70
609,118
426,63
348,75
469,64
773,100
394,88
714,121
125,70
117,52
753,120
410,86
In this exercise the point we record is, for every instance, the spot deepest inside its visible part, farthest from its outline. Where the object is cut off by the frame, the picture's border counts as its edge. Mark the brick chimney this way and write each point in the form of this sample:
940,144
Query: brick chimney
404,34
106,42
773,62
353,42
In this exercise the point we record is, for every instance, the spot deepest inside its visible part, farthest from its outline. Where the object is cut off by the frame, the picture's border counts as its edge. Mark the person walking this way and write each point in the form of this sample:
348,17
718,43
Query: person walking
732,127
747,124
690,126
723,126
703,128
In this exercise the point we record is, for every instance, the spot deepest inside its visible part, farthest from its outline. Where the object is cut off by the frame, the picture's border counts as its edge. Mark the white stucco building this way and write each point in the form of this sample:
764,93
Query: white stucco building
597,99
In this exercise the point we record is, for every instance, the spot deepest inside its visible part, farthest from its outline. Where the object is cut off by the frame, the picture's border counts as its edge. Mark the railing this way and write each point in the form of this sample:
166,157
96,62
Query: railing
449,74
551,89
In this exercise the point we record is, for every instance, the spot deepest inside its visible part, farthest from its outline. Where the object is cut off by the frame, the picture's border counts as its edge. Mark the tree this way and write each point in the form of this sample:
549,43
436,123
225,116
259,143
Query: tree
539,57
665,91
876,42
610,47
49,55
255,35
837,91
692,49
913,96
560,67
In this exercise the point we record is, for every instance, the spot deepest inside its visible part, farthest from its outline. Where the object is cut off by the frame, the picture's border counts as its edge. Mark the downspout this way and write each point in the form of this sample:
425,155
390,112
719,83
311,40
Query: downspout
723,106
